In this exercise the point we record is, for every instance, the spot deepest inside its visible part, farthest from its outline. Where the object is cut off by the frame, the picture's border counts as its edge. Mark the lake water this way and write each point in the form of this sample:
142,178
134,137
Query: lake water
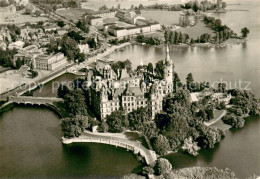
30,147
231,64
30,137
50,88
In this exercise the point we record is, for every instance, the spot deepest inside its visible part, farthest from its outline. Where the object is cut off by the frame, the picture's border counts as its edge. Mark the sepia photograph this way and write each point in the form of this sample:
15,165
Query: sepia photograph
130,89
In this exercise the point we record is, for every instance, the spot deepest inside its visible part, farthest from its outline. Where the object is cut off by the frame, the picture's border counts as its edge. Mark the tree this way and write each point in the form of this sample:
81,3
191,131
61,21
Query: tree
244,31
234,121
161,145
141,6
209,136
54,8
147,170
75,102
92,43
19,63
222,87
128,65
74,126
117,121
150,68
150,130
195,7
61,24
62,91
190,147
103,127
137,118
190,81
163,166
69,47
176,82
159,69
82,25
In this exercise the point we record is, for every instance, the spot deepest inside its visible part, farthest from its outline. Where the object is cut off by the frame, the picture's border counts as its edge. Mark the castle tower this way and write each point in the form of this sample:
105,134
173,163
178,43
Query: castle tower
168,67
104,96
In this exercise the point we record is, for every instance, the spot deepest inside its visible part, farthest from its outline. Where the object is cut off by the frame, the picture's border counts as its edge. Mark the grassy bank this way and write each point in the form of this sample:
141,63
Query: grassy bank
196,30
71,14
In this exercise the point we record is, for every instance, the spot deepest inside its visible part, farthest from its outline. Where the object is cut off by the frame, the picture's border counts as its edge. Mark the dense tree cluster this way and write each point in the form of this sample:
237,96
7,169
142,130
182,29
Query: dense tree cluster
174,37
117,121
244,102
120,65
191,5
116,41
234,121
68,45
82,25
163,166
74,126
148,40
75,102
6,57
223,32
14,32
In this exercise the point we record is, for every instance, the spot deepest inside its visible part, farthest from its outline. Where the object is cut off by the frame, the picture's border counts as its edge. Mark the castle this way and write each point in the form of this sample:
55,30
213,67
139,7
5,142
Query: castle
108,92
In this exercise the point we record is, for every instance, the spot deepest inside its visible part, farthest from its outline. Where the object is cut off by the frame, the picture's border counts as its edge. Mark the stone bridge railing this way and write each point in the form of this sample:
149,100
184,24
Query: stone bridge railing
34,100
149,156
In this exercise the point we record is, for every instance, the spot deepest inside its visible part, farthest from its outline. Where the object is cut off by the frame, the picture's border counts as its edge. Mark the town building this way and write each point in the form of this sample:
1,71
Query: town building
103,13
50,62
143,27
16,45
27,54
52,27
94,20
109,91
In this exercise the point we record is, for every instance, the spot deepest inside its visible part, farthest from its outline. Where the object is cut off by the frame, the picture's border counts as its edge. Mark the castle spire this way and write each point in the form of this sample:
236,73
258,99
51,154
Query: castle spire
168,58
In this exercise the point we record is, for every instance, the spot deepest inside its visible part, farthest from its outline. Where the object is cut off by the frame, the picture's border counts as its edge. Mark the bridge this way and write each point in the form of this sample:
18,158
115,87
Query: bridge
148,155
33,100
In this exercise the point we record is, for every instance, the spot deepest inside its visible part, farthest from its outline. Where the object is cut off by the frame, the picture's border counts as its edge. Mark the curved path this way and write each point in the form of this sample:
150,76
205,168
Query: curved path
149,156
213,121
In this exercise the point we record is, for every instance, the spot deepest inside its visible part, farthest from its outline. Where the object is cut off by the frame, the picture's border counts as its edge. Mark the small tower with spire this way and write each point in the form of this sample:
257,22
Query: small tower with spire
168,67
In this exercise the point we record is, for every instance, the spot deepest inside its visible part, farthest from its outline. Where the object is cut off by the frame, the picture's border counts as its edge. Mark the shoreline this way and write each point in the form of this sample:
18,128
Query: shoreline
199,45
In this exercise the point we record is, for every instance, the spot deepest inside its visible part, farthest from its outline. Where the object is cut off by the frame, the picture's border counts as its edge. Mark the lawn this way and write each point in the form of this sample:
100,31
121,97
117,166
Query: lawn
23,18
163,17
72,13
197,30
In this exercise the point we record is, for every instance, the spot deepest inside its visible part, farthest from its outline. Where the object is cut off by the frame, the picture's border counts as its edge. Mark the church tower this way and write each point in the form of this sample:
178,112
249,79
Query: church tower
168,67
